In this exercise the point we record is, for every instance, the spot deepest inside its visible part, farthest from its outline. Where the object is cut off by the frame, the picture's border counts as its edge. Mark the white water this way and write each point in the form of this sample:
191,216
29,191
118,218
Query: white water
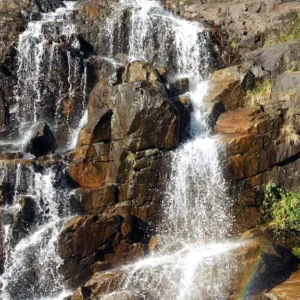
30,246
35,213
43,91
194,259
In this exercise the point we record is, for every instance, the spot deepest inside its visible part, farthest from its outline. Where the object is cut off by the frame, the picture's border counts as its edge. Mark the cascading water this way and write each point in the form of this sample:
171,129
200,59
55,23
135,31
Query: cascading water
51,79
194,260
36,202
32,220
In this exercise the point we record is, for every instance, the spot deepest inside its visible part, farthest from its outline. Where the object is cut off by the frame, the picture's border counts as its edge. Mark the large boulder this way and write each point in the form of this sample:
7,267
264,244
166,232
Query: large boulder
273,60
262,264
41,140
99,242
124,107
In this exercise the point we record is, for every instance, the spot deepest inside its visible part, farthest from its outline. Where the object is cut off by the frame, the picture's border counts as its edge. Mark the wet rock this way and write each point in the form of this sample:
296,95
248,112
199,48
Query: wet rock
97,130
41,140
287,290
99,284
24,219
88,173
179,87
99,150
97,243
49,5
126,111
96,199
184,106
269,263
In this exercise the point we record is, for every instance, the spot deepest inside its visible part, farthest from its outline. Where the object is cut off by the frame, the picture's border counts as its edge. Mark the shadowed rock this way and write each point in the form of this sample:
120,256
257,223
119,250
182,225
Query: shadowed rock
41,141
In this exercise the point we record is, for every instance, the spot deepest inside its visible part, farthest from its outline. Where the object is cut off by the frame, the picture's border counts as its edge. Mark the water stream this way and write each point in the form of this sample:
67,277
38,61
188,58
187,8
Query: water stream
51,80
193,261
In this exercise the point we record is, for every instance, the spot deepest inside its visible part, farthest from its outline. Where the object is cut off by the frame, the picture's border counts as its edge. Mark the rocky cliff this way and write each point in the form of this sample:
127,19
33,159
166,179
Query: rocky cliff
99,128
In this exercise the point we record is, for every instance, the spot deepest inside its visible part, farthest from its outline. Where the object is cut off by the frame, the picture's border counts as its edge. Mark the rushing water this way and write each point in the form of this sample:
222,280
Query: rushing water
32,220
51,79
193,261
35,201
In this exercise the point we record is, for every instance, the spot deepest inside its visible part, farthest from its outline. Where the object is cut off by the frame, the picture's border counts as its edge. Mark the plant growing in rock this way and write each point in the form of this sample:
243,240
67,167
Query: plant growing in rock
289,131
281,207
292,34
261,93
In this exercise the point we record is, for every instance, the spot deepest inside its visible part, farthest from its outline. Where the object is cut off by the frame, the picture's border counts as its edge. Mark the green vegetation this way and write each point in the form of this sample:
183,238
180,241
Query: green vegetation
291,35
282,207
131,157
292,70
296,252
261,93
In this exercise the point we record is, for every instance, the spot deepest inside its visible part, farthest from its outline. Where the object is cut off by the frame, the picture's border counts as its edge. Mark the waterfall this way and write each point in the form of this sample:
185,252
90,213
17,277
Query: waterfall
194,260
51,79
32,220
51,74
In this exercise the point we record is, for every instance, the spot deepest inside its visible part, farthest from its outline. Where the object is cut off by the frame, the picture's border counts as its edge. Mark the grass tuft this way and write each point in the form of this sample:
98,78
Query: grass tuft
291,35
261,94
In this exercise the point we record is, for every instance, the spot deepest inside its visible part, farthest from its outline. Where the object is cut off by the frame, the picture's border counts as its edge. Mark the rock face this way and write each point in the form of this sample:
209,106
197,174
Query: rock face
263,263
119,169
121,162
41,140
98,243
121,146
288,290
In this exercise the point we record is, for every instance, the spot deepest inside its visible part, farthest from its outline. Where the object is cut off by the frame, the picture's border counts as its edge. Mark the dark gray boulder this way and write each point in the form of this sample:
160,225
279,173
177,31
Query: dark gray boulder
41,141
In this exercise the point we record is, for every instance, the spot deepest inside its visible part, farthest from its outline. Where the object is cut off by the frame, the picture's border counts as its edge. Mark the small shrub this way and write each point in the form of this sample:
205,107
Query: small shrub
282,207
131,157
261,93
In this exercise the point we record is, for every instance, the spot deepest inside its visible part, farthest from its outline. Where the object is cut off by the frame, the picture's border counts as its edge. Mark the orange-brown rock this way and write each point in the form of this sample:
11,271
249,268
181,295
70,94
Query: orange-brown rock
96,200
262,263
288,290
229,87
99,242
94,8
244,121
88,173
99,150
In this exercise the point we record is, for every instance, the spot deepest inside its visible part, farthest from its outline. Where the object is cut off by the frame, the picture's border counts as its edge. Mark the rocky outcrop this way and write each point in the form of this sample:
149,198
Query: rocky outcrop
238,26
98,242
263,264
41,140
119,169
121,146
